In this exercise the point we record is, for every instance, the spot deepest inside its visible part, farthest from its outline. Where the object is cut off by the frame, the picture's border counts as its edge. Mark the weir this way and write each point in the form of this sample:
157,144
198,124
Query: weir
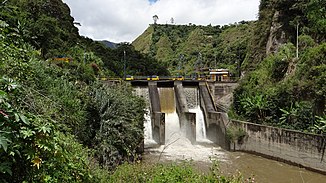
182,110
183,124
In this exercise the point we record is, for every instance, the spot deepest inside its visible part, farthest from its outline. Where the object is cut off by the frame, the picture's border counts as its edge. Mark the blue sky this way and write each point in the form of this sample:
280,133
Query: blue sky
124,20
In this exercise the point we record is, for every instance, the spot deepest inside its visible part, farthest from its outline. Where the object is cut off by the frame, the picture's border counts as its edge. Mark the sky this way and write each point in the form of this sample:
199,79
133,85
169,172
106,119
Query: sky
124,20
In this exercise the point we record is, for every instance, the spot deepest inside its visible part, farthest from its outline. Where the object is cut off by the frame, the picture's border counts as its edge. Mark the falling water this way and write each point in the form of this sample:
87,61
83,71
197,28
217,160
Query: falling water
172,127
148,135
168,106
200,124
177,146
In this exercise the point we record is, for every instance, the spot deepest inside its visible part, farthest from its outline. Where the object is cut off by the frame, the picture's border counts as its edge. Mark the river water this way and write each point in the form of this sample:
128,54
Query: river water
231,163
177,147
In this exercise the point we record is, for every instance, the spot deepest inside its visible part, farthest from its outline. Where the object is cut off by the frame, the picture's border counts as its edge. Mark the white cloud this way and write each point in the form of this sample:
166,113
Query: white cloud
124,20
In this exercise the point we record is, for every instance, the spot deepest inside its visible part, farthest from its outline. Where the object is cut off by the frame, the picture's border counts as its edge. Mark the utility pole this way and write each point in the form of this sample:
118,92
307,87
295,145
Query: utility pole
124,64
297,53
85,55
180,65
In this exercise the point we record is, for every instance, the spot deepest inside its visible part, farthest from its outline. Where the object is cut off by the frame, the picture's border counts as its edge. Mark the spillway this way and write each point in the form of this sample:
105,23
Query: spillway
200,124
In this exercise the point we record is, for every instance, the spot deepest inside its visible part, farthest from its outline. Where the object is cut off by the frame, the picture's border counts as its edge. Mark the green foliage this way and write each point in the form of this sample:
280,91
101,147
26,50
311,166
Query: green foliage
120,124
47,25
285,91
308,14
298,116
320,125
186,48
182,172
235,134
255,107
46,115
32,149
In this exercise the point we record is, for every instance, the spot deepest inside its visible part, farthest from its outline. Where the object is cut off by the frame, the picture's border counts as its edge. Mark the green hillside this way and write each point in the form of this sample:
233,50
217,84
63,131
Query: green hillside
185,48
276,87
280,88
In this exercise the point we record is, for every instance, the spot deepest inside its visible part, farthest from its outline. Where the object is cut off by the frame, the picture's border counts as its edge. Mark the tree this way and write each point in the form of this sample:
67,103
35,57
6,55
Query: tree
155,18
172,20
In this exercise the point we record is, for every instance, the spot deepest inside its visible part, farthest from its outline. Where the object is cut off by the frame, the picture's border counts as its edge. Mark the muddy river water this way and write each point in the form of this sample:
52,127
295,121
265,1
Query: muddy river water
231,163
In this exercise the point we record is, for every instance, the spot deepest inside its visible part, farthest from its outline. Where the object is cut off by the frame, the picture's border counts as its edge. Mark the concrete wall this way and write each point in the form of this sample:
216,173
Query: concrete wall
158,127
157,118
222,93
290,146
215,121
190,126
154,97
216,130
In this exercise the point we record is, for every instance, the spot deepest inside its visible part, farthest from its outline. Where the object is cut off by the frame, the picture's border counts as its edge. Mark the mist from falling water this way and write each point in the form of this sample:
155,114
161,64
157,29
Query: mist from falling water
168,106
177,146
148,134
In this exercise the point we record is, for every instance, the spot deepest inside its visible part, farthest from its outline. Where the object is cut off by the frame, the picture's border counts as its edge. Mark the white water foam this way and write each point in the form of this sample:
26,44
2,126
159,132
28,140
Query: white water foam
148,135
200,124
178,147
172,127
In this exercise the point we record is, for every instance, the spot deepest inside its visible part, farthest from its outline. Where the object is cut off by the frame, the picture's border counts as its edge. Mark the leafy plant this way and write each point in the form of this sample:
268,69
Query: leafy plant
255,107
320,125
174,172
297,116
235,134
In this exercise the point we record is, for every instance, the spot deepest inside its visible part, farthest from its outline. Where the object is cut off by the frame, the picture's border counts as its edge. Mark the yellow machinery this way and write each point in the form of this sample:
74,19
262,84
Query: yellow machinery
153,78
129,78
63,59
179,78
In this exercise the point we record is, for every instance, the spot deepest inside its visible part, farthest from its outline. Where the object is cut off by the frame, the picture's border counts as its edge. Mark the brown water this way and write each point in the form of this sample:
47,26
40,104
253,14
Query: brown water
269,171
167,100
231,163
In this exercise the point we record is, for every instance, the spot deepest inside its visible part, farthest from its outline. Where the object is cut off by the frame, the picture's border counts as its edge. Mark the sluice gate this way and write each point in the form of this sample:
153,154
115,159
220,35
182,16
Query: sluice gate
181,109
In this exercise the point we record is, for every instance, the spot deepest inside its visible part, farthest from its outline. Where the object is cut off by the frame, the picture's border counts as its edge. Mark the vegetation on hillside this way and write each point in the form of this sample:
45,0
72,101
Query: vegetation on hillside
58,123
281,89
52,112
185,49
48,27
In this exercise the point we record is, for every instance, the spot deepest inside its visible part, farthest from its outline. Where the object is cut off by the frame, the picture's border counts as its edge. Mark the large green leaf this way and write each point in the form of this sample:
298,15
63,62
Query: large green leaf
24,119
4,142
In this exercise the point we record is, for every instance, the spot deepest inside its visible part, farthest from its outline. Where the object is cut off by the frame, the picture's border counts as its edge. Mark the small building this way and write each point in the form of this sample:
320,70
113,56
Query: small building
219,74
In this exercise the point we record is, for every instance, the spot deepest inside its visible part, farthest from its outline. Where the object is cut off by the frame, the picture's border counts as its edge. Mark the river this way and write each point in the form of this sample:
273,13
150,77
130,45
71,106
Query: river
177,148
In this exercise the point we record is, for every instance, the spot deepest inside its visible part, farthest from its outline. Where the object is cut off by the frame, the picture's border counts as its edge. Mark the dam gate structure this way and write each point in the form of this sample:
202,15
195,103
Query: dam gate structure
181,108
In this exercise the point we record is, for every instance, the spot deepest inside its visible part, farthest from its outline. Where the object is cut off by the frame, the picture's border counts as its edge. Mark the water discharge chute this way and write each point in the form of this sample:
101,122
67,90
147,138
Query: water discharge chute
200,124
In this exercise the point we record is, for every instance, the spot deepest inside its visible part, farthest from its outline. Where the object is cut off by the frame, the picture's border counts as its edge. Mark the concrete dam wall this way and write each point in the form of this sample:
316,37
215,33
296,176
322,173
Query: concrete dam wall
188,103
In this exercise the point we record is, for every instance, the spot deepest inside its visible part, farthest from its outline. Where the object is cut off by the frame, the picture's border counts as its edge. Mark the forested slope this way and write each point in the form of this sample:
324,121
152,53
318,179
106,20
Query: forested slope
183,49
58,122
280,88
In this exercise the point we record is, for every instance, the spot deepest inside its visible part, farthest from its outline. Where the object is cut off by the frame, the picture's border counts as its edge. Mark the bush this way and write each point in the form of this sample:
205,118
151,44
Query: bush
119,121
182,172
